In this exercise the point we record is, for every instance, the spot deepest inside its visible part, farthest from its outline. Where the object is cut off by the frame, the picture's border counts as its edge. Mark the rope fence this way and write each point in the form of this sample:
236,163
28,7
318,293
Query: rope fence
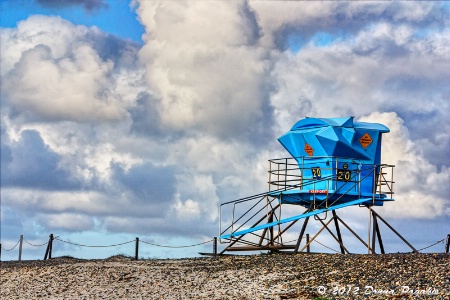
174,247
326,246
48,252
12,247
441,241
93,246
33,244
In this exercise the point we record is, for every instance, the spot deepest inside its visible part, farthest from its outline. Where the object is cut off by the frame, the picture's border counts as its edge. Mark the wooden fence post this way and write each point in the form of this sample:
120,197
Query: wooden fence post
447,245
136,255
48,252
20,247
51,246
307,242
215,246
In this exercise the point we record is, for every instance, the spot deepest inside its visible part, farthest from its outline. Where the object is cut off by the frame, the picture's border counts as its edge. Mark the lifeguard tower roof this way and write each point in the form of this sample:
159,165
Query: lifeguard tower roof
340,137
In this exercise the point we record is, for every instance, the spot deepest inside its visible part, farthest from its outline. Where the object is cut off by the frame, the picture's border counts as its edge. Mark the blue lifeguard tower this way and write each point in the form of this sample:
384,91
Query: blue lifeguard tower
334,163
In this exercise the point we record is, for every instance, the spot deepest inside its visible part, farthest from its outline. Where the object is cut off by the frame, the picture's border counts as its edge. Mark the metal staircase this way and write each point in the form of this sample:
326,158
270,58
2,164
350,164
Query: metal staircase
260,222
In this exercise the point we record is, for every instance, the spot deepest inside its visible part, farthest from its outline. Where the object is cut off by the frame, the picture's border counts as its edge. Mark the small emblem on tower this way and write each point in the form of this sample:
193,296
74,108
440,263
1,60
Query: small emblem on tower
365,140
309,149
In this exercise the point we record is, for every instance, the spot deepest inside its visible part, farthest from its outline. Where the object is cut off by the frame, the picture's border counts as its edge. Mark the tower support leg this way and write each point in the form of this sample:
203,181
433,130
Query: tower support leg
398,234
300,237
271,235
336,224
374,238
314,237
377,229
351,230
332,234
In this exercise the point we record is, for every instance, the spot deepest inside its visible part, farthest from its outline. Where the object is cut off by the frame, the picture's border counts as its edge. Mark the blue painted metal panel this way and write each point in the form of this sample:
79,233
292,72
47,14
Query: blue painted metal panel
335,137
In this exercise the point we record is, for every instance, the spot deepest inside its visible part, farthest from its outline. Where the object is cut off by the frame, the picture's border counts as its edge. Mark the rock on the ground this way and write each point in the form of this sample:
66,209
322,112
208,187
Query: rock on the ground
276,276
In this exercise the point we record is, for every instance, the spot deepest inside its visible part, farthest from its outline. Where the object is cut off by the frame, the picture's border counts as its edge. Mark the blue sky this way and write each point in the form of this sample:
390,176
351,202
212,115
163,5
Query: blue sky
106,136
114,17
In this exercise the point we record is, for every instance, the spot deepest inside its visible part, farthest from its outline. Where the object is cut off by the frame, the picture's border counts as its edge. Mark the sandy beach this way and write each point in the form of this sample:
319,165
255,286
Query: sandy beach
276,276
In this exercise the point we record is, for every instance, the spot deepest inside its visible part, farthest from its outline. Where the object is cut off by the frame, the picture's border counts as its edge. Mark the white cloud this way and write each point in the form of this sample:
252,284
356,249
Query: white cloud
56,201
67,222
72,88
61,73
187,210
197,194
54,32
208,77
421,190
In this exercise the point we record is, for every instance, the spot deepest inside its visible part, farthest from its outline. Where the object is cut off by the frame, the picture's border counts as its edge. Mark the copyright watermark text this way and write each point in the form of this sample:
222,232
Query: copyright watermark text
348,290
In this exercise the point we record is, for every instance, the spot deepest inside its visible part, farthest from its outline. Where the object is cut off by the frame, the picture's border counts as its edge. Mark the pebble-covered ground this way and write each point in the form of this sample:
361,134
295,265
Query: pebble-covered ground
276,276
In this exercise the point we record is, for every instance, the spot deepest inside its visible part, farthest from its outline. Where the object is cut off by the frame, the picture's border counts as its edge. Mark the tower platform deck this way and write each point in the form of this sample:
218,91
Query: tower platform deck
326,198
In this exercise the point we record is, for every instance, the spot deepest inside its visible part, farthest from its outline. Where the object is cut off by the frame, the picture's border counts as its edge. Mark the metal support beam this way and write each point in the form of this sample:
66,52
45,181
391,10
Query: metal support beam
374,237
280,233
257,248
240,237
270,220
261,240
377,229
398,234
336,224
332,234
314,237
293,218
354,233
289,226
302,232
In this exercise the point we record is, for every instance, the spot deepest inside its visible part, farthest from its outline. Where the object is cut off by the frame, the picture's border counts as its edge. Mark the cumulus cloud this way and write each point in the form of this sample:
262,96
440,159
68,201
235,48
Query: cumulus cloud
201,194
295,23
188,209
420,187
79,83
67,222
30,163
355,84
71,90
53,32
209,78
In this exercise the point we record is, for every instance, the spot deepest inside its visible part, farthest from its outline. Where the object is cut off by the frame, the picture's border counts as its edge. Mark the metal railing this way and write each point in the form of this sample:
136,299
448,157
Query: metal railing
289,173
